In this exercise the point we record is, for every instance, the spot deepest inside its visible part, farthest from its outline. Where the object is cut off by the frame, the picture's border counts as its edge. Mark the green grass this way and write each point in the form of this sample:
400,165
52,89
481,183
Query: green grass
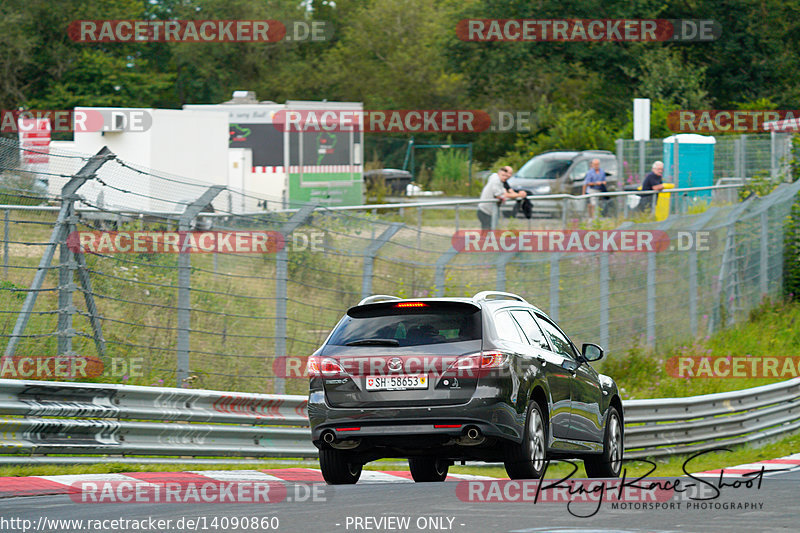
771,331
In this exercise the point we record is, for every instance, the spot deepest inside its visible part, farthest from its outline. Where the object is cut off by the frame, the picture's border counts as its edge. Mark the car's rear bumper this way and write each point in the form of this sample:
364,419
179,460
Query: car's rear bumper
492,417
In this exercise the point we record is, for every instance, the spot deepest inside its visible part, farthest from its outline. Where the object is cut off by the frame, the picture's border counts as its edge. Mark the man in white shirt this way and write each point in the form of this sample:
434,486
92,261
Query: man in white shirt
493,193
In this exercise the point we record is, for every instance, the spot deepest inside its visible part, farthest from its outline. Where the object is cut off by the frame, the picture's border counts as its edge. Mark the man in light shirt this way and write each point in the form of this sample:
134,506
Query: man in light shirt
594,182
494,193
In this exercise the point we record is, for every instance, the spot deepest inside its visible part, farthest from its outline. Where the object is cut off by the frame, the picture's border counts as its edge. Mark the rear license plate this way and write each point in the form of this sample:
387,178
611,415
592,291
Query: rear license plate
397,382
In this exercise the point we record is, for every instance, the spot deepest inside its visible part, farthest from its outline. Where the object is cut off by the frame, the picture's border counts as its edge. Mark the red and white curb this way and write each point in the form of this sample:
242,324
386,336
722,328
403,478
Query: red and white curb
48,485
790,462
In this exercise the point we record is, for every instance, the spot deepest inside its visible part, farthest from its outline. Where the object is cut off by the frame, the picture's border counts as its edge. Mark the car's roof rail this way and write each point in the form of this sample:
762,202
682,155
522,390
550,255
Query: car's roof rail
497,295
375,298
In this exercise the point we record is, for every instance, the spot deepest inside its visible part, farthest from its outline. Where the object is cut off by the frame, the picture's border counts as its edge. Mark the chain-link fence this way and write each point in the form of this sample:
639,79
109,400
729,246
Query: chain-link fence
228,318
738,157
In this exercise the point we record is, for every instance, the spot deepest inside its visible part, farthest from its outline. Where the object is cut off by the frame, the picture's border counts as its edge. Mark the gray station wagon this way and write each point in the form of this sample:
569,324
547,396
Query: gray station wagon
438,380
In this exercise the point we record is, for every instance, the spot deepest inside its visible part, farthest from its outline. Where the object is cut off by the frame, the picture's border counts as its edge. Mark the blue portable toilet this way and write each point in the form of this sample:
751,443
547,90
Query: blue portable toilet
695,162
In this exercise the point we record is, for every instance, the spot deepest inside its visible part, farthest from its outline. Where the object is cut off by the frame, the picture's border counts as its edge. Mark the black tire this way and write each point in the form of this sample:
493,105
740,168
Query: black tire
426,469
338,468
527,459
609,463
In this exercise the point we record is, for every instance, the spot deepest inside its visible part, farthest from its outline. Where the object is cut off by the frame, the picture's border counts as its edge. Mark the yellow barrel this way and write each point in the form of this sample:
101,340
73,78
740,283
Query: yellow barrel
662,203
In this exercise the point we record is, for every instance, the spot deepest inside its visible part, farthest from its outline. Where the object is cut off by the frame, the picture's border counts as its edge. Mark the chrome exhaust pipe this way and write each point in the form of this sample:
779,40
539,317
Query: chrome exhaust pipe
472,437
328,436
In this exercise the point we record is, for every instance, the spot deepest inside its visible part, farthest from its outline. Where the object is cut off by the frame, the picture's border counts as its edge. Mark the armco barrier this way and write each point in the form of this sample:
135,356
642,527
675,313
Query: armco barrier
42,418
120,420
669,426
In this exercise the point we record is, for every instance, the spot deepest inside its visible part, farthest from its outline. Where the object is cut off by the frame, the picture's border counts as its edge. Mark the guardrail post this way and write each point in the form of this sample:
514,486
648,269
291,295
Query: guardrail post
369,256
495,215
439,274
281,291
554,285
651,299
456,208
604,283
58,235
6,238
185,281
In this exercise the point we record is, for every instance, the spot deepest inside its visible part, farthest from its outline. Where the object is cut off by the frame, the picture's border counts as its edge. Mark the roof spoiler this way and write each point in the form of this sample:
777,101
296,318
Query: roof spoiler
375,298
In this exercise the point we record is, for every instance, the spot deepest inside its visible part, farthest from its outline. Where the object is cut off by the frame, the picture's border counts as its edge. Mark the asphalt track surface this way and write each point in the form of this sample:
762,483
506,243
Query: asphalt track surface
376,505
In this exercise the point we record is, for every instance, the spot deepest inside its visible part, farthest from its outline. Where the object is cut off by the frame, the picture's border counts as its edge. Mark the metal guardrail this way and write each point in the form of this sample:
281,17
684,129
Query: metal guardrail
100,419
52,418
669,426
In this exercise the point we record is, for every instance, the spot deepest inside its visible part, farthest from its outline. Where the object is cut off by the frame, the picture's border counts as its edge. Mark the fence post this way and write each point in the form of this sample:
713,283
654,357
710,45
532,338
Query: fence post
743,153
554,281
369,256
693,310
66,288
651,299
737,158
281,290
185,281
502,262
419,228
6,237
439,273
773,155
604,283
764,259
58,234
641,161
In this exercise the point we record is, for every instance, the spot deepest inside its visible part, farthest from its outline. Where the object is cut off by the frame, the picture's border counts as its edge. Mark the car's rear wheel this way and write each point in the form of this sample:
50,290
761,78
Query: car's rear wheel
338,468
426,468
609,463
527,459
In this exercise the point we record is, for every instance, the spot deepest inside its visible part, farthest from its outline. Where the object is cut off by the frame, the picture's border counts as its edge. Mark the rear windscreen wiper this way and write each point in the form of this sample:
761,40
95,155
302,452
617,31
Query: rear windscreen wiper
374,342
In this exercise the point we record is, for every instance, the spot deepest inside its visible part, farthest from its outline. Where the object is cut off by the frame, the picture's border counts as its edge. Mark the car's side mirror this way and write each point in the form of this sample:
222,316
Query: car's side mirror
591,352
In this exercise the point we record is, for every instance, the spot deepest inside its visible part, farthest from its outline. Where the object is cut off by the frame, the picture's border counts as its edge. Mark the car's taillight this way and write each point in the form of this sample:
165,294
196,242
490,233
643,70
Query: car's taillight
324,367
493,359
469,365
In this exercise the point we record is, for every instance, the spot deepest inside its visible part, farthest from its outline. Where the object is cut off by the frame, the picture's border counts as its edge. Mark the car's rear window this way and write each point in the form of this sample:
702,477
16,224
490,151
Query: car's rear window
427,323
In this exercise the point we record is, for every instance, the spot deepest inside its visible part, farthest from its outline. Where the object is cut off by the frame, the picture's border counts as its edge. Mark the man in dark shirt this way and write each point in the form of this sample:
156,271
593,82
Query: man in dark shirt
652,182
